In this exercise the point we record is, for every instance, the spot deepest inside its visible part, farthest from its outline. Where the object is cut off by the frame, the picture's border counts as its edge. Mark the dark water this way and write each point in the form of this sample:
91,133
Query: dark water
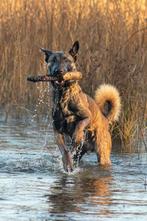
33,185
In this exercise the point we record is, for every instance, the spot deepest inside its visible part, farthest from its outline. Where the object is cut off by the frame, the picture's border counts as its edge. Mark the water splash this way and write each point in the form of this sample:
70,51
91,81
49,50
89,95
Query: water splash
43,102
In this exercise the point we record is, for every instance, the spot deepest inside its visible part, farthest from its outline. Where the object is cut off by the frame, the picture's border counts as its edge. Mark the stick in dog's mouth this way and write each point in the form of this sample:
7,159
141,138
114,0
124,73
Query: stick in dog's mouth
75,75
42,78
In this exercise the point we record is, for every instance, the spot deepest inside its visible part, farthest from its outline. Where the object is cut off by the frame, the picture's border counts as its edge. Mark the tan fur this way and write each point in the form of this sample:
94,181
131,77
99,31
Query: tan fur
107,92
75,114
93,119
75,75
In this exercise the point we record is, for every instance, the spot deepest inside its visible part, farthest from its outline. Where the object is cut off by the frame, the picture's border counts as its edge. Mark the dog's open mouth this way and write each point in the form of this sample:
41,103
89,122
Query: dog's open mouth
59,82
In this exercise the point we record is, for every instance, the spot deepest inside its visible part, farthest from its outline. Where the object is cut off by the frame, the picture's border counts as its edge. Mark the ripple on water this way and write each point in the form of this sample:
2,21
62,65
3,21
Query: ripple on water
33,185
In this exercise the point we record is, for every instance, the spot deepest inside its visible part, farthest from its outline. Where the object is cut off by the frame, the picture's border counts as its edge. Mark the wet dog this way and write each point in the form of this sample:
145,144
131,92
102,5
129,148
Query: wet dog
80,123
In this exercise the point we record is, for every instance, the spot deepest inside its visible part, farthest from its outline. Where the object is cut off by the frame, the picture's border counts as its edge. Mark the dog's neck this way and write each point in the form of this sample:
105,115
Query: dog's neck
59,91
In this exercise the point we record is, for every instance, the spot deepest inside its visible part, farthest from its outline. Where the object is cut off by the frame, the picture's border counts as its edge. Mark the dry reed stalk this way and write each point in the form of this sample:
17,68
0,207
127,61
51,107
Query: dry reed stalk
113,41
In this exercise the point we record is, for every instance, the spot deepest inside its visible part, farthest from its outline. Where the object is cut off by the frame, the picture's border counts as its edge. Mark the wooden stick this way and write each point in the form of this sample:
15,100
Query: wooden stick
44,78
75,75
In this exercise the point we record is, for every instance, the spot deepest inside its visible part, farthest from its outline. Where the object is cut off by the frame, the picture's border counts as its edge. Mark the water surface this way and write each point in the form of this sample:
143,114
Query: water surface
33,185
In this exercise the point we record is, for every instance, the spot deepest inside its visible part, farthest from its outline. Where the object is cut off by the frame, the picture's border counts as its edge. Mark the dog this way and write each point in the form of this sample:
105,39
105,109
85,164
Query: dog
80,123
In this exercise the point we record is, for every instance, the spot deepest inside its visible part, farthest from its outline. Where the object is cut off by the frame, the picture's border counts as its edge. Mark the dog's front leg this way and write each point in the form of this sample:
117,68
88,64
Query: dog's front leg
78,135
66,155
85,117
78,140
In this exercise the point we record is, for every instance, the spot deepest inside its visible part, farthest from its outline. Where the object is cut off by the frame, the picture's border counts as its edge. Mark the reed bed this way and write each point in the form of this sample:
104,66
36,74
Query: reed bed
113,49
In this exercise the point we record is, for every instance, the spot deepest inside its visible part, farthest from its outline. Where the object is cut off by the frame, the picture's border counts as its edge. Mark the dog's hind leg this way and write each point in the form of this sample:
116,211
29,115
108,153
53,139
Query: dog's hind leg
103,147
66,155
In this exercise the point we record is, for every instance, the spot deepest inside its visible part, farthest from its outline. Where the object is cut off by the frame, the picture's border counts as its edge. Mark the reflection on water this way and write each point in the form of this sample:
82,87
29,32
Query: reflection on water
80,193
33,185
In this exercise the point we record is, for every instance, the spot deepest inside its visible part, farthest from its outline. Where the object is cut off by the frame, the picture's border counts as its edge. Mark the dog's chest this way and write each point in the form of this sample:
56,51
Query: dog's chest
63,116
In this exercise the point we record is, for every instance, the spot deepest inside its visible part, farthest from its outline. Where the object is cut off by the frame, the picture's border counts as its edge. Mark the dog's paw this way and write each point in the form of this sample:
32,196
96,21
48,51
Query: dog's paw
68,162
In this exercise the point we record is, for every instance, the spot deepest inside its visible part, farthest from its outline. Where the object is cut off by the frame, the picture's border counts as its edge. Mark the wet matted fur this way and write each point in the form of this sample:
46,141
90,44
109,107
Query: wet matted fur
77,117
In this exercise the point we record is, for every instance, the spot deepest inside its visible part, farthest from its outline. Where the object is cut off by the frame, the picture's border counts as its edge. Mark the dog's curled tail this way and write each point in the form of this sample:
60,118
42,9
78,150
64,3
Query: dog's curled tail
108,99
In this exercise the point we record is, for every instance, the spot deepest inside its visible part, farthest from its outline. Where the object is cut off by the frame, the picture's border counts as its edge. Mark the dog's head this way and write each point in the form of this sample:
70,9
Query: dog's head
60,62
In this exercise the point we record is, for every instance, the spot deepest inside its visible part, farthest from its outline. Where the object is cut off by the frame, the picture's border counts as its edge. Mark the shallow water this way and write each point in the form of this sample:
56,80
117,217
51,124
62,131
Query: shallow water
33,185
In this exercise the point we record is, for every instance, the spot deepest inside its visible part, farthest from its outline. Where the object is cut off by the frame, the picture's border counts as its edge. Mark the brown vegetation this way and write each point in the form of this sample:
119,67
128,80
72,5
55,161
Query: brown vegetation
113,38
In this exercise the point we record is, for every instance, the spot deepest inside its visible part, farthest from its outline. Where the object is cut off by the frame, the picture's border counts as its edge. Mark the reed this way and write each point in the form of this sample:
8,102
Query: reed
113,39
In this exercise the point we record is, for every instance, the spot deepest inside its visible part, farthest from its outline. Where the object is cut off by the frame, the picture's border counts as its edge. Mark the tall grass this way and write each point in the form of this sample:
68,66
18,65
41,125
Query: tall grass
113,39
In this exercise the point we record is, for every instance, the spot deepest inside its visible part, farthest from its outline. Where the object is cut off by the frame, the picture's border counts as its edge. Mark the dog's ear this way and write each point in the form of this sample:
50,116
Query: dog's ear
74,50
47,54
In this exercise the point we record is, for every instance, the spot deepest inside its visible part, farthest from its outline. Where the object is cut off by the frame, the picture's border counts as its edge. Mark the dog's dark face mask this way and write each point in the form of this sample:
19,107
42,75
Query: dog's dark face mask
60,62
